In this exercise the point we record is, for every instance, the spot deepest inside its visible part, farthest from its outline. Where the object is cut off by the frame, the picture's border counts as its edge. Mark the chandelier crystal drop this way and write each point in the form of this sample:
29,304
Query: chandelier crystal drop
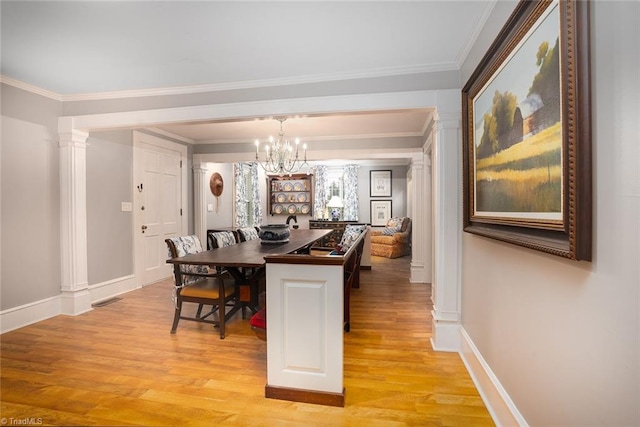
281,155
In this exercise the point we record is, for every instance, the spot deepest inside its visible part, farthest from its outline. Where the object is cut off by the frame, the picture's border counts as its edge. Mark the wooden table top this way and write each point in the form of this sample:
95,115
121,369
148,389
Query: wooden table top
251,253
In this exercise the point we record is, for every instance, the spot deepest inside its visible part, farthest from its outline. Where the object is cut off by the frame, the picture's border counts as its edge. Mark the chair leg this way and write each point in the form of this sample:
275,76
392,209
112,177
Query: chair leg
221,316
176,317
222,309
199,312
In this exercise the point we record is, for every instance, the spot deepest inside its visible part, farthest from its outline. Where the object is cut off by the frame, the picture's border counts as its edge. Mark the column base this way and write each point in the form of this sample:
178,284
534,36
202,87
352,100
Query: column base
446,334
74,303
418,273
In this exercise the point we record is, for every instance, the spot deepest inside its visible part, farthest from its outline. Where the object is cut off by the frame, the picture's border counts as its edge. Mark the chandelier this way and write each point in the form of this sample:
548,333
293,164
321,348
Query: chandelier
281,155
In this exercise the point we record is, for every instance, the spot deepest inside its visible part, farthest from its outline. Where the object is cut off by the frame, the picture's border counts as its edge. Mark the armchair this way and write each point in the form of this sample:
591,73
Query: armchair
394,240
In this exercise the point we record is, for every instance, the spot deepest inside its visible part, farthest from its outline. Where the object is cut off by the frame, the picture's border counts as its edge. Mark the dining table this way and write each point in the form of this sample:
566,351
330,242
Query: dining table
245,261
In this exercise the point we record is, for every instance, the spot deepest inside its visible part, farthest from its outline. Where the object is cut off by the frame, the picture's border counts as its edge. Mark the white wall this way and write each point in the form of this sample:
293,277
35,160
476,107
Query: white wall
562,337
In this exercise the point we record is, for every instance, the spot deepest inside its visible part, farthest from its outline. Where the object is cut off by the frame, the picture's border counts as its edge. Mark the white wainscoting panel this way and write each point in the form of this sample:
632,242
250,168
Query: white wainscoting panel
305,327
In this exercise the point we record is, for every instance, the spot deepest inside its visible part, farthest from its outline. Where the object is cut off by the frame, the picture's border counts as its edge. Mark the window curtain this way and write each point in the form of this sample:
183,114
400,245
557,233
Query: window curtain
257,202
242,216
320,198
350,177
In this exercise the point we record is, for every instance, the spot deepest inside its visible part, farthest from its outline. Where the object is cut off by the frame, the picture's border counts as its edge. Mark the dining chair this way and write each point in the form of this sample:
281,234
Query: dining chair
247,233
196,284
221,239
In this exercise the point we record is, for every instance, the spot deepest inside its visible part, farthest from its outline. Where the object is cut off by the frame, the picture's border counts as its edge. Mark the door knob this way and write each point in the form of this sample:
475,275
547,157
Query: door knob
144,227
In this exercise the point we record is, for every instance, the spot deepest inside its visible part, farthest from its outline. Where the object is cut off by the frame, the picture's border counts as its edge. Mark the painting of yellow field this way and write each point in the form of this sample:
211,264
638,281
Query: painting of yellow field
517,135
524,180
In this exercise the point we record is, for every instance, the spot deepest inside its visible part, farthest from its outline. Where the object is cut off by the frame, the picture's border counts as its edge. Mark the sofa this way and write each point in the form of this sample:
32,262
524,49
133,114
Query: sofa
394,240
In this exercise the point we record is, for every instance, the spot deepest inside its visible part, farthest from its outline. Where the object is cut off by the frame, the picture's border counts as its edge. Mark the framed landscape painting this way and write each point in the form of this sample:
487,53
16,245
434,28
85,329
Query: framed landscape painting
527,135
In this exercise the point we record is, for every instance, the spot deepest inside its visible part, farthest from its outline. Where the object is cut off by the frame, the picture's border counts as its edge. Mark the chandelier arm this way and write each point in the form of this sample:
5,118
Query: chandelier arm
280,157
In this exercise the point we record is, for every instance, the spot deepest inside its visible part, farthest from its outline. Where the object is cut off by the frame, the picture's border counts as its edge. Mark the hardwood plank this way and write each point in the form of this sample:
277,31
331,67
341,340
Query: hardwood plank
119,365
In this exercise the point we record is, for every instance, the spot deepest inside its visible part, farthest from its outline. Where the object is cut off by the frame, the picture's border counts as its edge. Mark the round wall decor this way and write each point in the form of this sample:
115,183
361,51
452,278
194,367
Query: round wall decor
217,186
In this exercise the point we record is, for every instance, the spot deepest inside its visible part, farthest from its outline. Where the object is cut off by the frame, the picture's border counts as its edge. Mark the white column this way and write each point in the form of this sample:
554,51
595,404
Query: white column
200,201
75,297
446,157
419,207
428,219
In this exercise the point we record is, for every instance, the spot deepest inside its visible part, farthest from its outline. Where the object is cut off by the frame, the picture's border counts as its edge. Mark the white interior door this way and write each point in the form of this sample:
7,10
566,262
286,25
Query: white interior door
159,180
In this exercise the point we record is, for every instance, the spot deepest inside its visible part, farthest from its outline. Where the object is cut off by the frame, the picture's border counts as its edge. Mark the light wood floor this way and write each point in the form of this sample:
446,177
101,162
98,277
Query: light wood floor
119,365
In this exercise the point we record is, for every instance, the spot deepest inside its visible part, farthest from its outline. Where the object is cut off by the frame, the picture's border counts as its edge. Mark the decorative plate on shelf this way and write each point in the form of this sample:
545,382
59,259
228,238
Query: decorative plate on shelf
302,197
278,209
304,209
288,186
292,209
281,198
298,186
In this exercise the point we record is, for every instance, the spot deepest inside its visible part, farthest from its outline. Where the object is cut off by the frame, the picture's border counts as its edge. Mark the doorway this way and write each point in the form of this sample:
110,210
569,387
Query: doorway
160,203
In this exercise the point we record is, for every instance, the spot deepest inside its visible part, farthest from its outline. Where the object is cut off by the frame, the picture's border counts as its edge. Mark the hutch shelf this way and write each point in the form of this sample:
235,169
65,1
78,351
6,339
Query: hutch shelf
290,195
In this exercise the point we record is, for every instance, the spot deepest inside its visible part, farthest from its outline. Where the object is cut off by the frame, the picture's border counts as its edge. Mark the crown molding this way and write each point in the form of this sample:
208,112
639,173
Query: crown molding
473,36
249,84
30,88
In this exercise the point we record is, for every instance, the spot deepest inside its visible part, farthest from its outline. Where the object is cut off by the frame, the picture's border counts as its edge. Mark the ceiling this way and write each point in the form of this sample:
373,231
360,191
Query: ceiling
82,49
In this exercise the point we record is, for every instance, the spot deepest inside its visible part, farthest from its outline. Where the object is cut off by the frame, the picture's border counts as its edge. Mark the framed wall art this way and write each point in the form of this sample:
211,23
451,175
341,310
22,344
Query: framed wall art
380,183
527,135
380,212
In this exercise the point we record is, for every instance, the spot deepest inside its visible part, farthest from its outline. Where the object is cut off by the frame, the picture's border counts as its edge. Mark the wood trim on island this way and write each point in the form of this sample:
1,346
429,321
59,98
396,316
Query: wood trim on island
305,396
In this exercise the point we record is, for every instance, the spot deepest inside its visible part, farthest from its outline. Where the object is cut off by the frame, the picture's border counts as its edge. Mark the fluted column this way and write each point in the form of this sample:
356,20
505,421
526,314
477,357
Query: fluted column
200,201
446,291
419,207
75,297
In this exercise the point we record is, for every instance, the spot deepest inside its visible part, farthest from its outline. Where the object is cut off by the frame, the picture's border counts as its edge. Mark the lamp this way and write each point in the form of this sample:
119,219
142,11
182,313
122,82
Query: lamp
280,157
336,204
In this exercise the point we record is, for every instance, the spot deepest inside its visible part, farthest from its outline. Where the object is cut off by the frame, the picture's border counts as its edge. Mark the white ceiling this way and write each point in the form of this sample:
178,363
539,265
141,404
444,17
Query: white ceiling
81,48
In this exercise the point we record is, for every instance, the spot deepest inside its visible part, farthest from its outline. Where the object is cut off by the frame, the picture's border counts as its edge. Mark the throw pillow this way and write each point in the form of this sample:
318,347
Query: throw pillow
394,222
350,235
390,231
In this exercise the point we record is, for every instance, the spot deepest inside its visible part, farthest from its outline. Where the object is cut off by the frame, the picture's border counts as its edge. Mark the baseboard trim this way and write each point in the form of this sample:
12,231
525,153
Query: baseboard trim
305,396
495,397
112,288
27,314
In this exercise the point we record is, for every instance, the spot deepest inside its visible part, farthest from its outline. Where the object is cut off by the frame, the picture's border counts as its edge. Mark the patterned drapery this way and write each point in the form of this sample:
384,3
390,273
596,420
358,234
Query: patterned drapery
242,216
257,203
244,200
320,197
350,182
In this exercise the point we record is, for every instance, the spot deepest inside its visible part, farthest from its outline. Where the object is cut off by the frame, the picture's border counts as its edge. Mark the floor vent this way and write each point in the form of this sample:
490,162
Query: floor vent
105,302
